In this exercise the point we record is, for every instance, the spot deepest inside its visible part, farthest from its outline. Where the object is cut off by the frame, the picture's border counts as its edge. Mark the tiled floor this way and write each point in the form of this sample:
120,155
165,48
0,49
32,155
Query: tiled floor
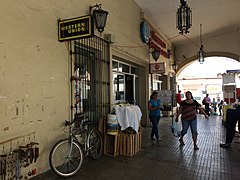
167,160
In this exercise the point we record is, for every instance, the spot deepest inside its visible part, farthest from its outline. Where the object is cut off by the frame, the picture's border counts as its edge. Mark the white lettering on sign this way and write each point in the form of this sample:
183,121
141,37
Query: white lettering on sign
158,68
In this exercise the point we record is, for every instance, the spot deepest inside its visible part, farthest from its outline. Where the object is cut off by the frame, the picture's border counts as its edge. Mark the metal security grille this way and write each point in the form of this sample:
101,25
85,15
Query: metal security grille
90,77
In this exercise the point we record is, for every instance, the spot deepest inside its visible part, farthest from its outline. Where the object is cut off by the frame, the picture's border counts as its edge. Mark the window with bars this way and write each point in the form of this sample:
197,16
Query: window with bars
90,83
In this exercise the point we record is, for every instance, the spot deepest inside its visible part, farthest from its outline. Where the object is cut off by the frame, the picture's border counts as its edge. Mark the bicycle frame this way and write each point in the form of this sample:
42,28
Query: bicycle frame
83,132
67,155
71,138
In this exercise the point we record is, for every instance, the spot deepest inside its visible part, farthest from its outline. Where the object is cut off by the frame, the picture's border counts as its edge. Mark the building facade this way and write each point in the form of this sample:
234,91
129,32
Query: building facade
41,76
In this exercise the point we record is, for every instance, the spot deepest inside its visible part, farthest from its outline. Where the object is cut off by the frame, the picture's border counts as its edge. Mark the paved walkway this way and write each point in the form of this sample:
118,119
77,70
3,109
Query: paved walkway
167,160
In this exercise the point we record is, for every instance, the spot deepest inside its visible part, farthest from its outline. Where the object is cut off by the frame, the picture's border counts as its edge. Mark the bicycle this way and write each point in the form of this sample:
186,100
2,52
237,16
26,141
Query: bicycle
66,156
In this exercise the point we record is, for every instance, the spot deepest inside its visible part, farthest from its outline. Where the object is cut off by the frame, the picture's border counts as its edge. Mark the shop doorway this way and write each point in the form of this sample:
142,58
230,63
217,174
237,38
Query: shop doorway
129,86
125,83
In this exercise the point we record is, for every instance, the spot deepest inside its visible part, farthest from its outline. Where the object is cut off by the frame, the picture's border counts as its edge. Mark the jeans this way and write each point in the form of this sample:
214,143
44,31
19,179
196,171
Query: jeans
231,121
220,111
192,124
155,121
207,109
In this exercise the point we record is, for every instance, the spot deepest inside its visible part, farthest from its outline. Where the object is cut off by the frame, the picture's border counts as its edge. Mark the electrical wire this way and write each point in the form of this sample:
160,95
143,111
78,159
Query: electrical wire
128,46
140,46
191,41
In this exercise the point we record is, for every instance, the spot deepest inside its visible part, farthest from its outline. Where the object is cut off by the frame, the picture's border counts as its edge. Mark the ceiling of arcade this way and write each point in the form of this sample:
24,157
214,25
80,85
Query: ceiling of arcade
220,27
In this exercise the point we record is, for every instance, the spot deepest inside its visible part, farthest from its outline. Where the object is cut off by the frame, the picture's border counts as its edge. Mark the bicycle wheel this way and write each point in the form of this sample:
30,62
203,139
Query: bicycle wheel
65,161
95,144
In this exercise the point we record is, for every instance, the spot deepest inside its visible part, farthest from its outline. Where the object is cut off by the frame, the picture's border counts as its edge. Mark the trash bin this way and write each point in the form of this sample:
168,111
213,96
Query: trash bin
112,124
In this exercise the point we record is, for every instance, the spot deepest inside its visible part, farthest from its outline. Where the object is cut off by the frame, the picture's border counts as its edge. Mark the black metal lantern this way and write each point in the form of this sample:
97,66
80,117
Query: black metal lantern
201,53
174,66
100,17
155,54
184,18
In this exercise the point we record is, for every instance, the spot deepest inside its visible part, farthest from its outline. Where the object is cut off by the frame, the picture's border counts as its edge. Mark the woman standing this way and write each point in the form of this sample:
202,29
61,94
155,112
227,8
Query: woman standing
154,106
189,117
220,107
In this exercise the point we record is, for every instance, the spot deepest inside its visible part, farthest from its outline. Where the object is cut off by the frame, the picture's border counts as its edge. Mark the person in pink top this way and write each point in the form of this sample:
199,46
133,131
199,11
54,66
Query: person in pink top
207,103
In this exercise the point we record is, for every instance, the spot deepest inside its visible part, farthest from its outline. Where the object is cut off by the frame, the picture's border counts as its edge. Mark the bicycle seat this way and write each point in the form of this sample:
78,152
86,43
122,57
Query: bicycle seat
87,123
79,115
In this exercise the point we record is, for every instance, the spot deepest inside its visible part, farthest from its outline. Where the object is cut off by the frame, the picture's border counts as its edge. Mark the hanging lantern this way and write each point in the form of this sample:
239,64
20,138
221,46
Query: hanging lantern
155,54
201,53
184,18
100,17
174,66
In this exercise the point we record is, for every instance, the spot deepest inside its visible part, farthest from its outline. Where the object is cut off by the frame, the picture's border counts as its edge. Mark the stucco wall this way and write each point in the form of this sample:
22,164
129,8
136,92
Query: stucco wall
34,75
34,66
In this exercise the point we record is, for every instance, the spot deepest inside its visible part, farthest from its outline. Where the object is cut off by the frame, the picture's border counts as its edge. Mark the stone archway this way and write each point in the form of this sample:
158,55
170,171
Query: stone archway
190,60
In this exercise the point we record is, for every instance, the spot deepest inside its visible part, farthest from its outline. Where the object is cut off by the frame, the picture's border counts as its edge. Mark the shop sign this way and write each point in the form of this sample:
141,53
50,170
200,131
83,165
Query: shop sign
214,89
153,40
154,45
158,68
75,28
231,88
144,32
157,39
233,71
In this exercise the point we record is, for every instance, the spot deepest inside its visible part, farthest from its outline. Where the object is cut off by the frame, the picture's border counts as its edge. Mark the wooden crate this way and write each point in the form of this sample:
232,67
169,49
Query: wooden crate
129,144
122,144
111,144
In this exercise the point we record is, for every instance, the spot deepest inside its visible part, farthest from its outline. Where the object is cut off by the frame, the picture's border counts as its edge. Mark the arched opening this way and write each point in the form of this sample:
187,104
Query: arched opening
184,63
207,78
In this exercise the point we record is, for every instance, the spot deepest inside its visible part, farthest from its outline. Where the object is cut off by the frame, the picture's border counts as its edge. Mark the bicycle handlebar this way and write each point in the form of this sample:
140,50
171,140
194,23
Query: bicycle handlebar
77,116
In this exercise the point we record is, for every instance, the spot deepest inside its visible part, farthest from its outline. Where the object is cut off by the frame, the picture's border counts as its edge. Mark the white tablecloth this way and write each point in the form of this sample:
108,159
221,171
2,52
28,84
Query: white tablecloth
128,116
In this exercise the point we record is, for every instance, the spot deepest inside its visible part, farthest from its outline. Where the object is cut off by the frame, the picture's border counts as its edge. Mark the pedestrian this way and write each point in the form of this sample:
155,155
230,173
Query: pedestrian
220,107
207,103
232,118
179,97
214,106
189,117
154,107
218,101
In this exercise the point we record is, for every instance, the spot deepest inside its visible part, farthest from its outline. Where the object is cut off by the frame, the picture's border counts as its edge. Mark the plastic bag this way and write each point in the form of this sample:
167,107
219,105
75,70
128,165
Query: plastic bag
176,129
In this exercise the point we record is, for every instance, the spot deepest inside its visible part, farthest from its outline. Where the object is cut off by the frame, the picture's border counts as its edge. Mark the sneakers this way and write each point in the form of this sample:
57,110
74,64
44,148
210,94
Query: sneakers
153,139
226,145
181,142
196,147
158,140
